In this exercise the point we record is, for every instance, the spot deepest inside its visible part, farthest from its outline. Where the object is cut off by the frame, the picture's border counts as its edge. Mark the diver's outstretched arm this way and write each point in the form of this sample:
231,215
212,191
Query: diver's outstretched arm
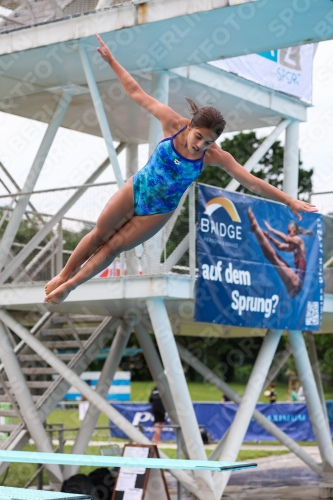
227,162
163,113
284,237
280,246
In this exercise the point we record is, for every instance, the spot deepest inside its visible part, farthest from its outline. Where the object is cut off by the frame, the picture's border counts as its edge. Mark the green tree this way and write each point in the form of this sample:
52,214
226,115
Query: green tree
270,168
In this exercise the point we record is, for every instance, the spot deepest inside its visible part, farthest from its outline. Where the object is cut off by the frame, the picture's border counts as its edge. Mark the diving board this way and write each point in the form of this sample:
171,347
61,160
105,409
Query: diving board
105,461
8,493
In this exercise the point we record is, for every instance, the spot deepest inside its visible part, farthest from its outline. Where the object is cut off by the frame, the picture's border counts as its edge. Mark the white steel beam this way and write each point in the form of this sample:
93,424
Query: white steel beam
26,251
177,254
100,112
192,230
247,406
40,254
59,256
160,91
56,391
26,404
105,380
178,386
132,164
169,28
278,364
92,396
316,413
259,153
247,92
316,372
291,160
44,148
171,222
269,426
156,369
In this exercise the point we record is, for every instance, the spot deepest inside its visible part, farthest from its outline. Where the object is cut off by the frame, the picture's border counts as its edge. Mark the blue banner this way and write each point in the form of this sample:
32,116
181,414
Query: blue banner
259,266
292,418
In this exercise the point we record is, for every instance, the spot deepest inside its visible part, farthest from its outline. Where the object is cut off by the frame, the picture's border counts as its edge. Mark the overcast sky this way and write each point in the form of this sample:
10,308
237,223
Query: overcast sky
74,155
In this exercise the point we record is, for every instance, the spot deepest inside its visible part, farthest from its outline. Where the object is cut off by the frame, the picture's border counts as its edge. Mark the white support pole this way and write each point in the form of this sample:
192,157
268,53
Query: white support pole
44,148
159,90
192,230
172,221
316,372
46,229
59,256
291,160
247,406
178,386
39,348
259,153
26,404
132,164
34,261
277,366
269,426
313,402
156,370
177,254
132,159
101,116
105,380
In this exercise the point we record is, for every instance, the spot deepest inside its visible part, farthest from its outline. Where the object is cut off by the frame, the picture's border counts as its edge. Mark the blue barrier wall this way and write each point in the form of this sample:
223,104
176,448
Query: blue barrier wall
292,418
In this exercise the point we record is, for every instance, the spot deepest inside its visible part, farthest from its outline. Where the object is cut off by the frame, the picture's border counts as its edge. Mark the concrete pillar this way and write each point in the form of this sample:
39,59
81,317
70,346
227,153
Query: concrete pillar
291,159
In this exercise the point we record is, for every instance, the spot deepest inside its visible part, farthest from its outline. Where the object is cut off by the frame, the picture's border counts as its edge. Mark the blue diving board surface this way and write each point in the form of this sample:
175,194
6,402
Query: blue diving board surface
7,493
107,461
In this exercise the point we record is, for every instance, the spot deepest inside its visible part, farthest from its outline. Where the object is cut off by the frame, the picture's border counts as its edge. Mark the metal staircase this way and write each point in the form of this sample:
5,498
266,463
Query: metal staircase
76,340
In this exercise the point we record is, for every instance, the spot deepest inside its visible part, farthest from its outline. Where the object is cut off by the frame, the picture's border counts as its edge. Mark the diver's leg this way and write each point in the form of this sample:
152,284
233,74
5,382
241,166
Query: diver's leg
134,232
118,211
286,273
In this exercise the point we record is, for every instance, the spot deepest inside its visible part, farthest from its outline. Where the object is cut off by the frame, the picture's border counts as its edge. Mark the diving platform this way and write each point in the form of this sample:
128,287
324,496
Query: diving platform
51,72
126,296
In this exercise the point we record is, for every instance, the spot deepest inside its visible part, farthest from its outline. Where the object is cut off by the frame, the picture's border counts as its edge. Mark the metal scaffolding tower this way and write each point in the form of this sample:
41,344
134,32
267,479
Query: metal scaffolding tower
150,287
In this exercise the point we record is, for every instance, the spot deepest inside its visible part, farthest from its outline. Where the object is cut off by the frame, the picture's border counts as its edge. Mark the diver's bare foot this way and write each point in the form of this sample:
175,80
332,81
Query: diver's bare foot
54,283
253,220
58,295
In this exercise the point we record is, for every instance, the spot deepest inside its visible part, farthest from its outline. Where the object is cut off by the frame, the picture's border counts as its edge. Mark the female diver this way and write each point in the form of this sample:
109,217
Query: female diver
291,242
140,208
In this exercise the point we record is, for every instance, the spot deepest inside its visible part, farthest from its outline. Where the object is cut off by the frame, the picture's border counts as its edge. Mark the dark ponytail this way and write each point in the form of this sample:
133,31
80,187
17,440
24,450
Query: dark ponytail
206,117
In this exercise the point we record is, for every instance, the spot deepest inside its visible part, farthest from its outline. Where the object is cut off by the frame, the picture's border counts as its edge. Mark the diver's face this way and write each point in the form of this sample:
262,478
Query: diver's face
292,230
199,139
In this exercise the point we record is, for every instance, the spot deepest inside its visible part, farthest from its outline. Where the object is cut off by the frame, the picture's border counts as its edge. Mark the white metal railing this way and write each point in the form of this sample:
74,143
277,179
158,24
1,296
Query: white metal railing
176,244
28,14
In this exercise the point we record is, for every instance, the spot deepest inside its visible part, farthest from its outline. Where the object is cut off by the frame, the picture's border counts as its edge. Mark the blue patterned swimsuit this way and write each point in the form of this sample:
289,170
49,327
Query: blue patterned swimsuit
160,184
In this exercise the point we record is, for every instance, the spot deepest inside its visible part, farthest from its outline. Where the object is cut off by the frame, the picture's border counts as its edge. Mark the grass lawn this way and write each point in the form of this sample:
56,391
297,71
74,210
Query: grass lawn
19,474
140,391
242,455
